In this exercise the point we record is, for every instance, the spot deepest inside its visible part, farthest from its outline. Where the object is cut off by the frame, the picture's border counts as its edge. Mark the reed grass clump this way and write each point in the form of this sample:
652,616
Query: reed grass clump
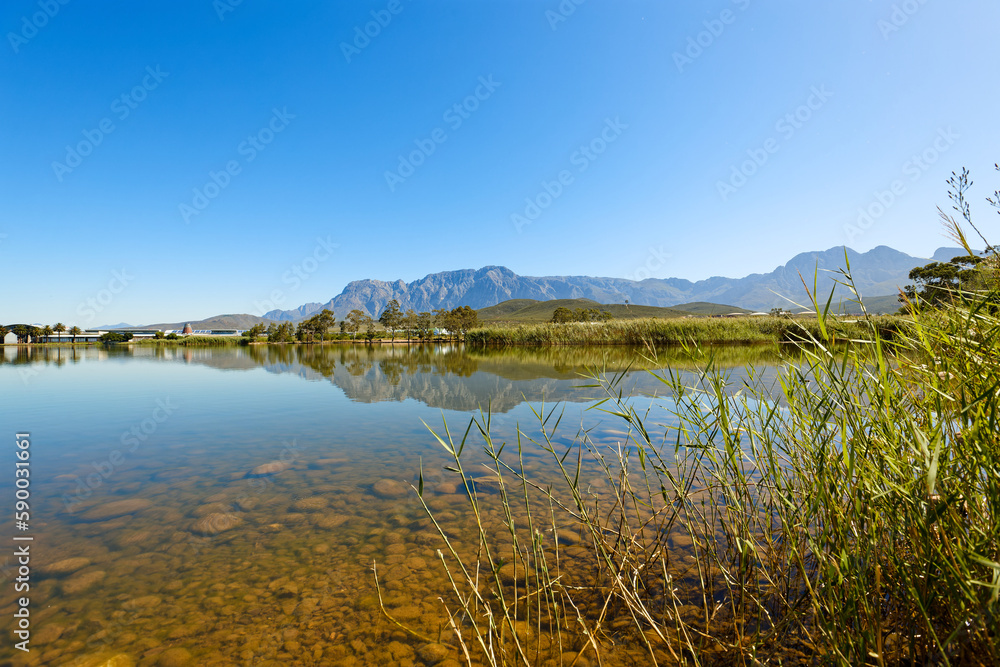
193,341
854,520
703,330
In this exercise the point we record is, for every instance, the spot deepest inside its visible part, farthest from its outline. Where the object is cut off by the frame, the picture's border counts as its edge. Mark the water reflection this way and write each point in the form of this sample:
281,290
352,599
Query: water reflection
449,377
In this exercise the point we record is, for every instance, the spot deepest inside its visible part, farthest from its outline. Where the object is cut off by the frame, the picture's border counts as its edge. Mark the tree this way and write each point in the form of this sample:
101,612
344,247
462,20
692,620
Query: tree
410,322
158,335
442,318
562,315
75,331
425,325
353,322
59,328
391,318
47,332
461,320
938,283
282,333
780,312
305,332
323,322
114,337
21,331
368,324
254,332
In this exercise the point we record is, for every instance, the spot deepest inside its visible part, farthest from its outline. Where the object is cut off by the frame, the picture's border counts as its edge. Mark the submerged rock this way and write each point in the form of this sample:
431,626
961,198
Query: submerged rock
66,565
389,488
174,657
116,508
267,469
311,504
103,660
81,582
213,524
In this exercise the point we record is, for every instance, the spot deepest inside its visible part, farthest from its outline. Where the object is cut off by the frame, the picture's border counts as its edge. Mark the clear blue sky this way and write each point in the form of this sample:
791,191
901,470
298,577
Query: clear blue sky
184,86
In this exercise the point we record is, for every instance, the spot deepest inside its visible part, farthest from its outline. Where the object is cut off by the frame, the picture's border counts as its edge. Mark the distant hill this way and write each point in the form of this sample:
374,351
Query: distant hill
532,310
879,271
241,321
120,325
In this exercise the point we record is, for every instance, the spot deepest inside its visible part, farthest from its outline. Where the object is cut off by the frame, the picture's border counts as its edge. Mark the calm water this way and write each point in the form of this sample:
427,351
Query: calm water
151,540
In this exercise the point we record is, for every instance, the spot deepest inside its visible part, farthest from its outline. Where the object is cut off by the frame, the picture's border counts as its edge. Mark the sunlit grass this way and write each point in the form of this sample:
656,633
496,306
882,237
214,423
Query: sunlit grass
703,330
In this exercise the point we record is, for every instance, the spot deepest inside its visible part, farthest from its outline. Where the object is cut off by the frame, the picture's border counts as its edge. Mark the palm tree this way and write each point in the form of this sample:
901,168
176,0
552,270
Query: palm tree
3,332
47,331
59,328
74,332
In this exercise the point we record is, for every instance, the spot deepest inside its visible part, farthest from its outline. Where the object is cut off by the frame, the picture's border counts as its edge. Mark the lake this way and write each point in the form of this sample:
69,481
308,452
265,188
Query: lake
219,506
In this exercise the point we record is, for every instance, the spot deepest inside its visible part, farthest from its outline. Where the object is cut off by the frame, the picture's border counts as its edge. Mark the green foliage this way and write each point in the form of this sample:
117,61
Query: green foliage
561,315
114,337
458,321
391,318
159,335
171,336
354,322
316,326
281,333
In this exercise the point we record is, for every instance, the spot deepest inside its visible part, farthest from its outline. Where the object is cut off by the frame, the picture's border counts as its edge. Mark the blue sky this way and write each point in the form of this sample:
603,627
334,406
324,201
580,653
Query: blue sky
176,160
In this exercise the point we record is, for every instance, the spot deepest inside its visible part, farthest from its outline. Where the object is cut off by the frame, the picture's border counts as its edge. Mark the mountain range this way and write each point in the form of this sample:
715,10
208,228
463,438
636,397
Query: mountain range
878,272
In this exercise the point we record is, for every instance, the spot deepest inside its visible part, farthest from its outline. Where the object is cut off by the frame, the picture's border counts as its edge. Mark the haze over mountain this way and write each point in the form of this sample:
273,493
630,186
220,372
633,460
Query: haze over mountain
878,272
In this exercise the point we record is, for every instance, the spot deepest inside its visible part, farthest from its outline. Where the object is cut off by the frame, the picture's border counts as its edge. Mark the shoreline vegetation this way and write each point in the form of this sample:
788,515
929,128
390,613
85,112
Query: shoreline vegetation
854,522
634,332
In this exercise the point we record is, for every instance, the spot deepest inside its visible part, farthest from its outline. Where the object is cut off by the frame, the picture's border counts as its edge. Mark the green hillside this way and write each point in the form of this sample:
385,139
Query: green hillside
706,308
505,308
530,310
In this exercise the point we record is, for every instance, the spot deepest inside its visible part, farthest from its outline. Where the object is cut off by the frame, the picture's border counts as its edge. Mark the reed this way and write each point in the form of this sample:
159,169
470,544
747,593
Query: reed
852,521
192,341
660,332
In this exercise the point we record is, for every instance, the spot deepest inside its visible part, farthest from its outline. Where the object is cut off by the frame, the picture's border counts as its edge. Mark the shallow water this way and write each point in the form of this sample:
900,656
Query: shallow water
154,536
